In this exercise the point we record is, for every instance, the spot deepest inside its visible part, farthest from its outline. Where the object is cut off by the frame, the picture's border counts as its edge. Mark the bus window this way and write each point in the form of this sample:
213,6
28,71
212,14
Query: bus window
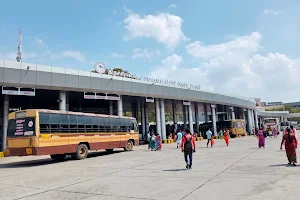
95,123
73,123
54,123
101,124
81,124
21,127
64,123
106,124
88,124
44,122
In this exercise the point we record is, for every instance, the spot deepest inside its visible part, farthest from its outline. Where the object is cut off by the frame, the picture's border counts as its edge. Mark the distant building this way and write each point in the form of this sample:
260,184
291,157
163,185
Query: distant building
293,104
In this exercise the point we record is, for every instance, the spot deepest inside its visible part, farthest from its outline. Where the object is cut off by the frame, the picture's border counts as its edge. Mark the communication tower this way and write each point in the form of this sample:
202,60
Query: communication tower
19,53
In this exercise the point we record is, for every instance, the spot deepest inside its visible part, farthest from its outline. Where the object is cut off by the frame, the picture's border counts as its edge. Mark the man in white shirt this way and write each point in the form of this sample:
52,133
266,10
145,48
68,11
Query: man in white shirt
209,136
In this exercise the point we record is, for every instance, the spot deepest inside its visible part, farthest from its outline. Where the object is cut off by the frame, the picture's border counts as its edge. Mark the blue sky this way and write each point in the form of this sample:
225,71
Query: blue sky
226,46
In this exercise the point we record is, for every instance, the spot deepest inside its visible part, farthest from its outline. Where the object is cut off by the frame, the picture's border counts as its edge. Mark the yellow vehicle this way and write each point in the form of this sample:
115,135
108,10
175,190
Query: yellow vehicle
57,133
235,127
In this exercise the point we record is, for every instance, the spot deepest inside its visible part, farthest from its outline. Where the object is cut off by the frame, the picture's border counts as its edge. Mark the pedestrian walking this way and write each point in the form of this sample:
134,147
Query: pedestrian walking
178,138
209,137
152,142
274,132
261,139
226,137
188,147
290,147
158,142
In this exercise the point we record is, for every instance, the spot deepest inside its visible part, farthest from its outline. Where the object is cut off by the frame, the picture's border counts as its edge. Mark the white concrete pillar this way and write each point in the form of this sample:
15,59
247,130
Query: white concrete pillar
143,122
146,119
174,115
120,107
214,121
249,121
163,119
5,121
111,107
158,120
256,119
232,113
62,101
196,116
185,117
252,117
190,118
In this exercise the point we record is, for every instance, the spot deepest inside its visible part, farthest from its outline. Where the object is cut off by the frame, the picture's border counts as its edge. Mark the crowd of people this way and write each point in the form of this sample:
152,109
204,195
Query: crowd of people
185,140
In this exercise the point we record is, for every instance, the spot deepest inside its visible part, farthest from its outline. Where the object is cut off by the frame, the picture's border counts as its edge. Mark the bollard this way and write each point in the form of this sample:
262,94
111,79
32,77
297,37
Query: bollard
1,154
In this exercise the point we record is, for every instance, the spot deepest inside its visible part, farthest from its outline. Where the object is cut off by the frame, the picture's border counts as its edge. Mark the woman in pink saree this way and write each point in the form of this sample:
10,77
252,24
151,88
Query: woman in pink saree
274,132
261,139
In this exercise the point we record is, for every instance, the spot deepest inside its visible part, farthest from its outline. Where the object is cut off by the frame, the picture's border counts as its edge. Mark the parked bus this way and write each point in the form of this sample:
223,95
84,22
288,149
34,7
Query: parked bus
235,126
270,123
58,133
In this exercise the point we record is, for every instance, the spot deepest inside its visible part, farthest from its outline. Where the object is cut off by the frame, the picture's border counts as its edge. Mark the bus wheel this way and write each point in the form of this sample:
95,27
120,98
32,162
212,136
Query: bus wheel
109,150
81,152
58,157
129,146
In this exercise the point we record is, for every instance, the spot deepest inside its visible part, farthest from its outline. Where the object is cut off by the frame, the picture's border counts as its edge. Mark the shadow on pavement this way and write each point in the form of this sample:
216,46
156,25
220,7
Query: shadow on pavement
173,170
283,165
49,161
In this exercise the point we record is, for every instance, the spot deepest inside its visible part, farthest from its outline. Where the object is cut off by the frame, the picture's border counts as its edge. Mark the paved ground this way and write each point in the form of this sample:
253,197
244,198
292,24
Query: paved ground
240,171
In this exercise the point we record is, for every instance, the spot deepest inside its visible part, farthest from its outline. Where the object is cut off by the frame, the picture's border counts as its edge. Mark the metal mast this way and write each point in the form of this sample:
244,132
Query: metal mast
19,53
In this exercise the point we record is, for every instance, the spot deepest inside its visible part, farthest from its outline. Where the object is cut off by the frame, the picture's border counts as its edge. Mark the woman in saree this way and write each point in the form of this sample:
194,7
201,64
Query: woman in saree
226,137
274,132
290,143
261,139
152,142
158,142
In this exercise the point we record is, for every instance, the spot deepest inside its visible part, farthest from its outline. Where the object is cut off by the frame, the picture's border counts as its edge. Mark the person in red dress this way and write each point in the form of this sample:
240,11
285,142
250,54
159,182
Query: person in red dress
290,147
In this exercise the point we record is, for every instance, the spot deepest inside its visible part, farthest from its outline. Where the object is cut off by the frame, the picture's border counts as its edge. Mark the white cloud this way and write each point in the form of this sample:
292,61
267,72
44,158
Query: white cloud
39,41
164,27
74,54
237,68
241,45
116,55
272,12
144,53
172,6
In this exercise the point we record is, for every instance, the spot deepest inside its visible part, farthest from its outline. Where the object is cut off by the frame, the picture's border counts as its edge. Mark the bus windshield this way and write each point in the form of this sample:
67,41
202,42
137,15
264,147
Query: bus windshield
22,127
270,121
238,125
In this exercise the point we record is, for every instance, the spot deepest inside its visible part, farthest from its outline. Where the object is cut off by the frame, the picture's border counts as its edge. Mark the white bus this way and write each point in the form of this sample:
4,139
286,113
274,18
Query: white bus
270,123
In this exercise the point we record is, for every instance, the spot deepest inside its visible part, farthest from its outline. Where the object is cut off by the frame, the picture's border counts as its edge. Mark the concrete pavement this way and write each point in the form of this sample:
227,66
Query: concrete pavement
240,171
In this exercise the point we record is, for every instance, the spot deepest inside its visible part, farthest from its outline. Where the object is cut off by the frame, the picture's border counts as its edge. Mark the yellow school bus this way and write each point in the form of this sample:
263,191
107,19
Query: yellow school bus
58,133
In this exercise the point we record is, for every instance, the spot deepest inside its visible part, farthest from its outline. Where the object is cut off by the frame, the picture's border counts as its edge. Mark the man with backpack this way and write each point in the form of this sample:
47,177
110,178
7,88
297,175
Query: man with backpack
188,147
